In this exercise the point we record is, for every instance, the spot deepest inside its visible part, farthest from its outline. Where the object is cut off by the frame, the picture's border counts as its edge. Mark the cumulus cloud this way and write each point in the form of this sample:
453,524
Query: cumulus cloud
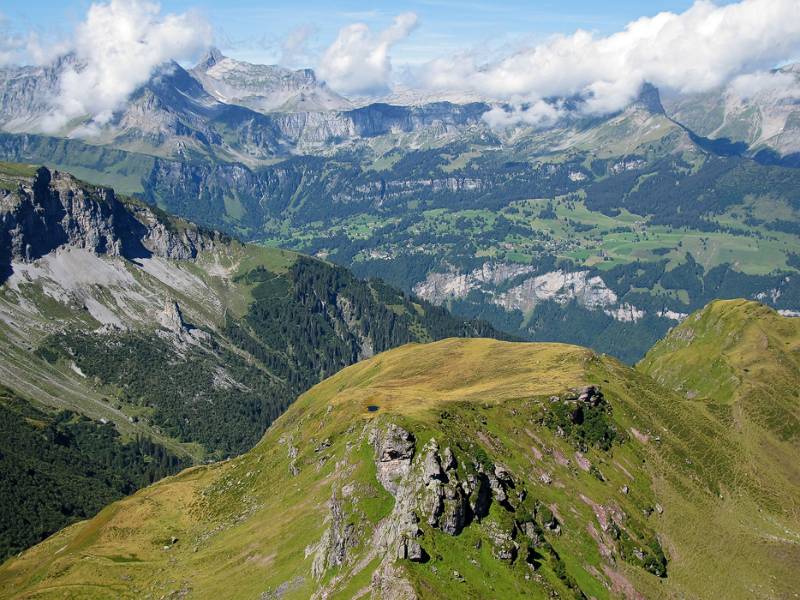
358,61
537,114
117,47
702,48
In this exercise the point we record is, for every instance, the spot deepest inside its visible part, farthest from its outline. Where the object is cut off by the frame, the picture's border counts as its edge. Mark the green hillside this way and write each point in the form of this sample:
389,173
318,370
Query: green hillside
166,344
472,469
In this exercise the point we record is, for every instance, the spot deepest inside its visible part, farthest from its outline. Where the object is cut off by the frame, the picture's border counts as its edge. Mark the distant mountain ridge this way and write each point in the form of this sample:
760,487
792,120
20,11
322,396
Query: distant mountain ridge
265,88
282,111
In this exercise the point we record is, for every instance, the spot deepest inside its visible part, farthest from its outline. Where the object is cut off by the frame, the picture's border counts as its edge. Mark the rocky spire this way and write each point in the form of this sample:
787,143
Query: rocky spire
210,58
172,318
649,99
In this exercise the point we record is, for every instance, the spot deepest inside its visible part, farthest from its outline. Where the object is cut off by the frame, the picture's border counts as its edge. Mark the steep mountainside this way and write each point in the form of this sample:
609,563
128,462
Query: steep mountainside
764,121
465,467
186,342
613,228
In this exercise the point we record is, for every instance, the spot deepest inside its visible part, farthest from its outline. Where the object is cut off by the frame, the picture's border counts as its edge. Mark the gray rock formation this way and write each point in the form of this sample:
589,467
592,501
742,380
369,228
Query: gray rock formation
55,210
591,395
337,540
27,92
265,88
171,318
394,449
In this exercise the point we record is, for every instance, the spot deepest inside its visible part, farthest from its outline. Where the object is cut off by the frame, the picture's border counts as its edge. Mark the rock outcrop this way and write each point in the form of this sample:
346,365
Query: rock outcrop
435,488
55,210
171,318
394,449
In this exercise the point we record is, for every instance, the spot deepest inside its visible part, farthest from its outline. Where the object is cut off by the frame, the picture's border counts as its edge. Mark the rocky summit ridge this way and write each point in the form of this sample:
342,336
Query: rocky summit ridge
53,210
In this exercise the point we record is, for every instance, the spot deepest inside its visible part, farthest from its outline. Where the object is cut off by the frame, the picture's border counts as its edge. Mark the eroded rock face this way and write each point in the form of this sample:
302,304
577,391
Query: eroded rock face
171,317
429,487
338,539
455,509
432,466
55,210
394,449
433,488
388,583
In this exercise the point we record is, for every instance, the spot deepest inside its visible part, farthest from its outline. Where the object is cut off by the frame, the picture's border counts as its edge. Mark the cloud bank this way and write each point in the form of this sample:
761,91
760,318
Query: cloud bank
358,61
116,49
700,49
778,85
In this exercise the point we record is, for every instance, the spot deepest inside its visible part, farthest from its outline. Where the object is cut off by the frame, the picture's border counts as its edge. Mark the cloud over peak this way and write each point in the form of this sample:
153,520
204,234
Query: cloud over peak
116,48
358,61
702,48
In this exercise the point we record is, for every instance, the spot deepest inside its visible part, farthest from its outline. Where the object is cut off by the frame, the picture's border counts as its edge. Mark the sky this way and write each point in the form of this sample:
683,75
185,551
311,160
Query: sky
523,56
255,30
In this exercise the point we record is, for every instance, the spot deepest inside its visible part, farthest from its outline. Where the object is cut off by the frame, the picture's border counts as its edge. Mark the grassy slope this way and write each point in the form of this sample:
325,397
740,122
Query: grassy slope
243,526
741,360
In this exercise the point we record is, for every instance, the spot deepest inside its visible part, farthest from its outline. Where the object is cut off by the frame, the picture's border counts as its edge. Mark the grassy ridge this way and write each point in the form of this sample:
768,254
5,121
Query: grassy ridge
677,470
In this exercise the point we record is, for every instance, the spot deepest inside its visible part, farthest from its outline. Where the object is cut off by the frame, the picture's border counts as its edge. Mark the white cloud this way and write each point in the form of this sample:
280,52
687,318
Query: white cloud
778,85
358,61
537,114
700,49
117,48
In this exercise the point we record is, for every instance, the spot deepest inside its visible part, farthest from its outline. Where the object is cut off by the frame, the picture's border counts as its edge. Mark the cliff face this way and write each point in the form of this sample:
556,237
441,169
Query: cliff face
54,210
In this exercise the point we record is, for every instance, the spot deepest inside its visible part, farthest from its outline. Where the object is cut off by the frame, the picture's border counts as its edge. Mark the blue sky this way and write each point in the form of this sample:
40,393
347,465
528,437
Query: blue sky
255,29
496,50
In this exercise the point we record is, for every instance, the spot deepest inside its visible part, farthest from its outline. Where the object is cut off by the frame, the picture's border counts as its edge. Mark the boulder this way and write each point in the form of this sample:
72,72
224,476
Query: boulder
591,395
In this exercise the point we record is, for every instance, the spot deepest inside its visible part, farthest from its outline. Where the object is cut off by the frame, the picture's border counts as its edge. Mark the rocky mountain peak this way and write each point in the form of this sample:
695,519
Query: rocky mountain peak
649,100
53,209
212,56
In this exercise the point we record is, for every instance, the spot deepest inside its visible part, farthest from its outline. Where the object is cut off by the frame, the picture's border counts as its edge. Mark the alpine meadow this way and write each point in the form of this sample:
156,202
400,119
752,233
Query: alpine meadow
400,301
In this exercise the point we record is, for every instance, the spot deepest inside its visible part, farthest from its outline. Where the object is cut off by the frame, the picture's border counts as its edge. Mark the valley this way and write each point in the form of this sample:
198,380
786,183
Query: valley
413,302
422,195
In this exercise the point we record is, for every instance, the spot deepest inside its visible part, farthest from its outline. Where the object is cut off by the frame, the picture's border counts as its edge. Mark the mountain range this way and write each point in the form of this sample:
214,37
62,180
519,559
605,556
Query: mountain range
598,230
347,367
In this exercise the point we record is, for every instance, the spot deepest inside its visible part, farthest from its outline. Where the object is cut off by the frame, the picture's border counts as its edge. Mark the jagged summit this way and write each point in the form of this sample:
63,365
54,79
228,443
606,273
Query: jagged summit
51,210
212,56
649,99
